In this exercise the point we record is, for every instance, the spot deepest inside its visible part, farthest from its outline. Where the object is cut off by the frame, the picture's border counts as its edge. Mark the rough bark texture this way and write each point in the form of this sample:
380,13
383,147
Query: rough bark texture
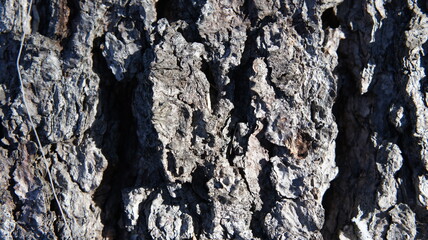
204,119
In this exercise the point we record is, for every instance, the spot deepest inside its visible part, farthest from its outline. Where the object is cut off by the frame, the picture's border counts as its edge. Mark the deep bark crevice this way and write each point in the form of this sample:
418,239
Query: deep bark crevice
241,96
346,90
214,92
423,5
174,10
268,195
329,19
358,180
74,8
200,178
58,230
411,148
17,203
43,15
241,93
71,22
163,10
118,142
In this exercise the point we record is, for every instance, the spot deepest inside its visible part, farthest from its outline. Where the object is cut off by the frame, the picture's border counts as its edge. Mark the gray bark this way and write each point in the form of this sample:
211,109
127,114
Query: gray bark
203,119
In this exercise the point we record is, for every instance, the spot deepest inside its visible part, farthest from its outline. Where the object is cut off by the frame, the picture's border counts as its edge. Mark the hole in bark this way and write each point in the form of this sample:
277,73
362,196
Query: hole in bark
299,146
329,19
303,144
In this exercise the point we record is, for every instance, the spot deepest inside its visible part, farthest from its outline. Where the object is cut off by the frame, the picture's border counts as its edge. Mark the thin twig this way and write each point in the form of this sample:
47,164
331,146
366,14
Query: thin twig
31,120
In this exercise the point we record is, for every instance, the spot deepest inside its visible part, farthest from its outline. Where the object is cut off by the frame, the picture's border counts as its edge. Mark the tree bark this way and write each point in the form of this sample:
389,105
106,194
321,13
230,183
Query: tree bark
203,119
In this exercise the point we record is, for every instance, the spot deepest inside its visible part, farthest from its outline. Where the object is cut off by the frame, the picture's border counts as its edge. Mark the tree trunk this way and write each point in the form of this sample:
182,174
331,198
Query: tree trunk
203,119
